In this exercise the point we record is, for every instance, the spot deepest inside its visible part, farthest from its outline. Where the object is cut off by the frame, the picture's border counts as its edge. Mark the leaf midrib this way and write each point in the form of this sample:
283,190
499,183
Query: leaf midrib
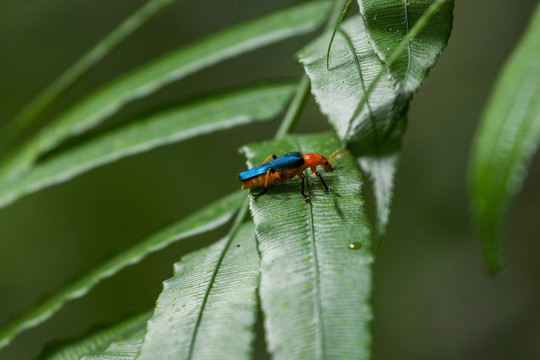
522,94
408,71
317,280
318,312
234,229
205,298
403,89
350,45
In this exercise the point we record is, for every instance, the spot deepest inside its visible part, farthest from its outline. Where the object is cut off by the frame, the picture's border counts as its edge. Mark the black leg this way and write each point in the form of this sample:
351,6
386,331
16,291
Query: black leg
320,177
259,194
304,196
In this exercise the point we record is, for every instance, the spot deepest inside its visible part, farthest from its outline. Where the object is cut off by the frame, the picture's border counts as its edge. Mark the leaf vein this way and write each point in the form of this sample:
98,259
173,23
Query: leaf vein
350,45
230,237
317,282
318,312
408,71
518,111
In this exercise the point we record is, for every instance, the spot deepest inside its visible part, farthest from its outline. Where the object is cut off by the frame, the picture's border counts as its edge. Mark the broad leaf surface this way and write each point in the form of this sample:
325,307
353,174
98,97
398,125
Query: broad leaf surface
206,219
208,309
178,124
506,140
100,341
82,66
389,21
126,349
315,290
366,107
353,67
106,101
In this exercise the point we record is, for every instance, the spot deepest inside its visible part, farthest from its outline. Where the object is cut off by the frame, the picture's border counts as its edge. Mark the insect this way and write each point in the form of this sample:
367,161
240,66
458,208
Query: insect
286,167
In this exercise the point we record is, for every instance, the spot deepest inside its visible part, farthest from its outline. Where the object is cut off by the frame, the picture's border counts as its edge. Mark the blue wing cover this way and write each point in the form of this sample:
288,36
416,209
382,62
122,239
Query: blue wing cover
288,161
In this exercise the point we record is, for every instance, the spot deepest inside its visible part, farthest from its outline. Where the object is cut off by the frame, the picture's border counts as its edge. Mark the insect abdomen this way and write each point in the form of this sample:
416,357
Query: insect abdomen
257,181
278,176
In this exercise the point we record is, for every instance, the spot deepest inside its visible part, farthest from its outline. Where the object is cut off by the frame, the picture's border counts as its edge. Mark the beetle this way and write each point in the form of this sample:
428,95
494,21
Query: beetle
279,169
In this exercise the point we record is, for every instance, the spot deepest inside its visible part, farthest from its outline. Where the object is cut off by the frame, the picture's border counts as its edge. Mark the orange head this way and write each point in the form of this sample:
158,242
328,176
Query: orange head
312,160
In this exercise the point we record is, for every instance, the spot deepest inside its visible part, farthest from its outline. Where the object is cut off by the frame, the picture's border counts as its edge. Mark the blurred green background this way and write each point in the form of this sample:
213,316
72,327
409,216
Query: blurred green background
433,299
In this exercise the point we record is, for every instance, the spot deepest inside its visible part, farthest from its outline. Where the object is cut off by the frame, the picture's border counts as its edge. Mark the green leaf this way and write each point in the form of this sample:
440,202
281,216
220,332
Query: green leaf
506,140
218,113
82,66
316,258
390,21
366,108
127,349
104,102
208,309
206,219
353,67
101,340
381,166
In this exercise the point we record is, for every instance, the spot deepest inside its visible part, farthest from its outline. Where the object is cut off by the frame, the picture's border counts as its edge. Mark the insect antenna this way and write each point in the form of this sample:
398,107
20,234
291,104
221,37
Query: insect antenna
335,155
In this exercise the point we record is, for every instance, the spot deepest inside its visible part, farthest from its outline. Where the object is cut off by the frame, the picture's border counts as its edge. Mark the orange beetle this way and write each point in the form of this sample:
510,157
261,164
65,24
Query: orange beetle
286,167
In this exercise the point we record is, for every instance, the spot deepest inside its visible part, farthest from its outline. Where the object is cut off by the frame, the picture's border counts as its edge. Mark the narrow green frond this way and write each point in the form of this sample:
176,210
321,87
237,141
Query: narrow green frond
208,309
101,340
251,105
109,99
125,349
316,257
505,143
82,66
206,219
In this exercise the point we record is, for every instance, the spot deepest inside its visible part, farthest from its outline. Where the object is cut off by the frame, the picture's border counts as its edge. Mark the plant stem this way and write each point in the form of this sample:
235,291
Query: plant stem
295,108
299,100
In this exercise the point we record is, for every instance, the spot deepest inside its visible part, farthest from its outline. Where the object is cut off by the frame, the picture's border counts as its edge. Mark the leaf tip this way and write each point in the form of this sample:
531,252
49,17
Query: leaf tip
493,255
